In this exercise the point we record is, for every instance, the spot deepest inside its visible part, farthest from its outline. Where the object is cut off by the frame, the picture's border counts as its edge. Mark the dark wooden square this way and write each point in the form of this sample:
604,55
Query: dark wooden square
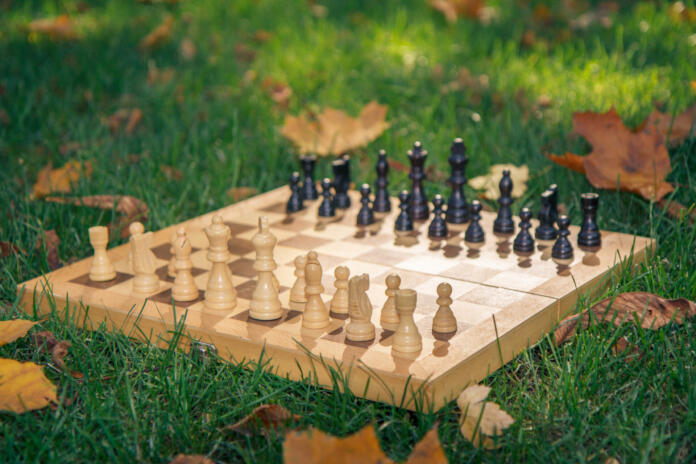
237,228
163,275
164,251
85,280
243,267
240,246
166,297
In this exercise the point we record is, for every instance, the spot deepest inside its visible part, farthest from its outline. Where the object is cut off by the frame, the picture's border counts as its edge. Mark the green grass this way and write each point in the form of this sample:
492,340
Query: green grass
578,402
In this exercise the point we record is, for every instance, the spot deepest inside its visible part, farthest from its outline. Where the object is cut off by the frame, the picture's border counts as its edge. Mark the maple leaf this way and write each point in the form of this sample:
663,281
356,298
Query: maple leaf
490,181
334,132
675,130
481,419
266,416
428,450
158,35
317,447
636,162
58,28
455,9
13,329
23,386
60,180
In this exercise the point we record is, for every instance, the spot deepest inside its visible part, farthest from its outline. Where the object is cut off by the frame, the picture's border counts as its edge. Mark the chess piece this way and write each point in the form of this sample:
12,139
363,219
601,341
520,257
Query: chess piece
220,294
503,223
546,231
562,251
297,292
309,189
438,226
524,242
403,220
418,200
474,235
326,207
589,236
444,321
553,201
365,215
171,270
184,288
382,203
295,202
407,339
265,305
339,302
360,328
341,183
144,262
315,315
101,269
389,317
457,209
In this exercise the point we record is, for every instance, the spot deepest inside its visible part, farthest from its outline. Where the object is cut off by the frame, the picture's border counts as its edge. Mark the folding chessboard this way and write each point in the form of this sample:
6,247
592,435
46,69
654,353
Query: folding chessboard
503,302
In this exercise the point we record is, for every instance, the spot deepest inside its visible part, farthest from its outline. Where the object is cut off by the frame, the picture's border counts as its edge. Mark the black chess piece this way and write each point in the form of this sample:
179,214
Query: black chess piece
403,221
503,223
546,230
365,215
589,236
340,171
382,203
438,226
326,207
309,189
295,202
562,251
457,209
553,201
474,233
418,201
524,242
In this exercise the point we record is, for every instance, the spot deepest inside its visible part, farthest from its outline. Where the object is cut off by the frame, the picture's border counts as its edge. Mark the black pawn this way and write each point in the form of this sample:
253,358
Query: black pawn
309,189
365,215
503,223
438,226
326,207
295,200
474,233
562,249
457,209
419,202
341,184
382,203
546,230
590,236
524,242
404,221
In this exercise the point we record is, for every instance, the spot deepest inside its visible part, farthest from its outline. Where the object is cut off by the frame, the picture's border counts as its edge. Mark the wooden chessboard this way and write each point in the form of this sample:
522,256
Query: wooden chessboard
503,303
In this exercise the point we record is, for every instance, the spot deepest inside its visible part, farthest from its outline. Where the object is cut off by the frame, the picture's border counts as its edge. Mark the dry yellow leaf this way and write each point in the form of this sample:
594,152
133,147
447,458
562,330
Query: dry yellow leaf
60,180
315,447
159,35
23,386
490,181
481,419
14,329
61,27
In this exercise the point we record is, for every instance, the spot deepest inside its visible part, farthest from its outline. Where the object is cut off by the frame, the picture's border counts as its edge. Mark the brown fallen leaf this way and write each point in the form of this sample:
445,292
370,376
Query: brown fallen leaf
280,92
465,80
13,329
316,447
8,249
58,349
60,180
266,416
187,49
240,193
58,28
244,53
481,419
651,310
158,35
190,459
428,450
69,147
490,181
157,75
131,118
50,241
626,348
24,387
334,132
674,130
635,162
455,9
170,172
569,160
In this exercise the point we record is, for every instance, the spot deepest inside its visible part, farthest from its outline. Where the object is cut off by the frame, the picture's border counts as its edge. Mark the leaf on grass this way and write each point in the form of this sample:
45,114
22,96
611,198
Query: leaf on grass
131,118
651,310
158,35
187,49
60,180
481,419
626,348
569,160
191,459
170,172
50,240
13,329
280,92
675,130
334,132
316,447
7,249
240,193
23,387
157,75
490,181
428,450
244,53
58,28
266,416
58,349
635,162
455,9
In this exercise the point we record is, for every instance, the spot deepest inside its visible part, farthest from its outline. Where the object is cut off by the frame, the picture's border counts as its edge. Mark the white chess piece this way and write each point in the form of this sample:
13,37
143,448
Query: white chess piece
360,328
315,315
389,317
407,339
444,320
220,294
184,288
265,304
101,270
297,292
339,302
144,261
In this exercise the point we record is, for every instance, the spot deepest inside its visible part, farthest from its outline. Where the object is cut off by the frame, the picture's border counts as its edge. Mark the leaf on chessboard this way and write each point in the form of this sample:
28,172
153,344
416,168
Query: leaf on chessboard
158,35
240,193
24,387
489,182
428,450
648,310
455,9
334,132
13,329
674,130
481,419
60,180
49,241
635,162
191,459
316,447
266,416
59,28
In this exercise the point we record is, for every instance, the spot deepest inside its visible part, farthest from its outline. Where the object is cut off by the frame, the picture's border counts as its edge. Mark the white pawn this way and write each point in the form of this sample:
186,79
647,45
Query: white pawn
265,304
184,288
297,292
171,269
220,294
444,320
407,339
389,318
339,302
360,328
101,269
315,315
143,260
